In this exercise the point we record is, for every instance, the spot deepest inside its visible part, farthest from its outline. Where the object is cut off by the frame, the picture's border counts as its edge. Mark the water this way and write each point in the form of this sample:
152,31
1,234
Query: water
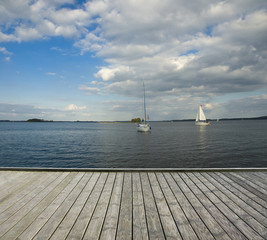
98,145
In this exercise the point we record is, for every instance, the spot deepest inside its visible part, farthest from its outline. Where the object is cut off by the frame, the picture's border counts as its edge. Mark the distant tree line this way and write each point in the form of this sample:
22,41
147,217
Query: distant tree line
134,120
38,120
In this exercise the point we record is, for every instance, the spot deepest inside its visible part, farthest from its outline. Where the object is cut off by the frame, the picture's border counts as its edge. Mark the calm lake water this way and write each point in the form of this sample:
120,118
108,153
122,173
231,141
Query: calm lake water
179,145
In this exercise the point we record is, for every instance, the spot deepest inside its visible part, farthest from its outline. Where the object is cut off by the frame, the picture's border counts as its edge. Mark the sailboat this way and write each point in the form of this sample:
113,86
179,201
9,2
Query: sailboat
201,118
144,126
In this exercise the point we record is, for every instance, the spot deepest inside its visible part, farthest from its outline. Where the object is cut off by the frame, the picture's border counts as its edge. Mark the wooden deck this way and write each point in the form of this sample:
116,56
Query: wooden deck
133,204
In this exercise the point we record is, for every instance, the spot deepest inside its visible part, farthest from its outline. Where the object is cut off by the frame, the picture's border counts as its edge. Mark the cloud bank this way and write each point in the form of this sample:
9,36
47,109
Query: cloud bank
186,52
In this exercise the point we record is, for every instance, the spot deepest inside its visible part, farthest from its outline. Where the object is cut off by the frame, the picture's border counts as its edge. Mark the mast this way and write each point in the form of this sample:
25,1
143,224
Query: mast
144,103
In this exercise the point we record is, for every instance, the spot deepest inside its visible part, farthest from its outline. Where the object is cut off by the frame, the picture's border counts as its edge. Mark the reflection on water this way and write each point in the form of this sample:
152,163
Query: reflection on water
201,137
169,144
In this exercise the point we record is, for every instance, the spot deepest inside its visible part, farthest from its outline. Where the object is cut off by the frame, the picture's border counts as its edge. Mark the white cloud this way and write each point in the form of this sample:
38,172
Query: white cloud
96,83
96,7
209,106
91,42
36,20
8,37
89,90
4,51
47,27
199,51
69,16
108,74
127,88
26,33
73,107
51,74
183,61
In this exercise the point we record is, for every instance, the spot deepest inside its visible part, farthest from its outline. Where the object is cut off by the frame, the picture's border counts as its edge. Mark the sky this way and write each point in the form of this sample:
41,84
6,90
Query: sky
87,60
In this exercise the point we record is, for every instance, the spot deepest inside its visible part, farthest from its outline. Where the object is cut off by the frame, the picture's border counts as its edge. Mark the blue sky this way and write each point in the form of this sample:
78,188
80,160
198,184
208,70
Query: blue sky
87,60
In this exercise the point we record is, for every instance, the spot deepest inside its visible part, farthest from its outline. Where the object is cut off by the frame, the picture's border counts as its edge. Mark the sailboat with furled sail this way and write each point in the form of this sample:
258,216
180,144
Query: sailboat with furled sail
201,118
144,126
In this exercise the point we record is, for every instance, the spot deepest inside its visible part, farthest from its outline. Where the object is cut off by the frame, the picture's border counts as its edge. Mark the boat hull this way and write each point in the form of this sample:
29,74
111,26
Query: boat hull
143,128
202,123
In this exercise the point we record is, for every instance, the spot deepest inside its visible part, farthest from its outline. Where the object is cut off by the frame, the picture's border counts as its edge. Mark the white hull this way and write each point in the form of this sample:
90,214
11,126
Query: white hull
143,127
202,123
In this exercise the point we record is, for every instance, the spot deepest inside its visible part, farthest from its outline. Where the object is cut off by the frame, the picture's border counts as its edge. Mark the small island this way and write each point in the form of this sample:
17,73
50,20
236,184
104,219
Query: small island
136,120
38,120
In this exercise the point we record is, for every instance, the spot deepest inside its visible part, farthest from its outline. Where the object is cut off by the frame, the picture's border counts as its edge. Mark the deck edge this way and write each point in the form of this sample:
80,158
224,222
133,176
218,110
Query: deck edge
130,169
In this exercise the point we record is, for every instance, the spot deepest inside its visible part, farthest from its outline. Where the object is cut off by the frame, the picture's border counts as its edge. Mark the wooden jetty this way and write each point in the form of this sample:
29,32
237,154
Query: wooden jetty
133,204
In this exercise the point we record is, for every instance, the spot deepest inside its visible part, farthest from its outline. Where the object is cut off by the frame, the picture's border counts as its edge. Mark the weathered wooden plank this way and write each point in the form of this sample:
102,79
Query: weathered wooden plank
16,224
8,179
69,219
139,217
52,224
14,204
245,185
110,225
255,179
80,226
13,189
202,192
155,230
15,212
8,199
227,206
147,205
11,178
124,230
246,209
250,183
259,202
199,227
240,192
188,187
237,205
40,221
260,174
182,222
167,221
94,228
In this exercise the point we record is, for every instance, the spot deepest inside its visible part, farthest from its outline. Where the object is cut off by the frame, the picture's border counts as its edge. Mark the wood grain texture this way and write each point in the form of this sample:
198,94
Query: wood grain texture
139,204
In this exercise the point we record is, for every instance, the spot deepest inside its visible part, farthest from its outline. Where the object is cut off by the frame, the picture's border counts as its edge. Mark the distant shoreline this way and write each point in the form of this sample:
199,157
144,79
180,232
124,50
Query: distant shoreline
225,119
177,120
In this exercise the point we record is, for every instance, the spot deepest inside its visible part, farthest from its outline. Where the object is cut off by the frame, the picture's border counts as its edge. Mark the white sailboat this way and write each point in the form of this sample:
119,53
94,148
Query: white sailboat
201,118
144,126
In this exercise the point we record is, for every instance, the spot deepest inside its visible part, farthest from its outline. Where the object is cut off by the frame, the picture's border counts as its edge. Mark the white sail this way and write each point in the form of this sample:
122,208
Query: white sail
197,118
201,118
201,114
